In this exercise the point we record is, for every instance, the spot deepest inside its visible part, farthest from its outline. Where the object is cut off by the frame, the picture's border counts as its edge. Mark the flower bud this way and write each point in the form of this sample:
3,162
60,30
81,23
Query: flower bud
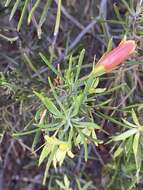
114,58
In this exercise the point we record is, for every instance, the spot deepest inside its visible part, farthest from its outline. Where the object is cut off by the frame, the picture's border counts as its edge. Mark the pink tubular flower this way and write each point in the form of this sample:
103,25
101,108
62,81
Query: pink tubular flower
114,58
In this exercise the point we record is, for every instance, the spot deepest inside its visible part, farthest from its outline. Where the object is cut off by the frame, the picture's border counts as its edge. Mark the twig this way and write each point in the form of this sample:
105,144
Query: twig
80,36
98,155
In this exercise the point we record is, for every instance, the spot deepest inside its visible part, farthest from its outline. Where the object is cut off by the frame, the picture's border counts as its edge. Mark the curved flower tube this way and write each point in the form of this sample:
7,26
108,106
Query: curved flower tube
114,58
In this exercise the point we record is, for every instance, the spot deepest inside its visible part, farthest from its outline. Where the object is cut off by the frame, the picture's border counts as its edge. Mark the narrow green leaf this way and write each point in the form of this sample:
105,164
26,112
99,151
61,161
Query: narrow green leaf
135,147
49,104
125,135
140,107
45,152
32,67
69,73
7,3
48,64
109,48
87,186
96,82
45,11
117,12
128,147
118,152
48,165
14,9
85,151
80,61
43,17
56,97
66,181
127,6
33,10
101,115
58,18
22,15
113,89
36,139
61,185
77,103
97,90
135,119
78,184
103,103
25,133
90,125
128,123
70,137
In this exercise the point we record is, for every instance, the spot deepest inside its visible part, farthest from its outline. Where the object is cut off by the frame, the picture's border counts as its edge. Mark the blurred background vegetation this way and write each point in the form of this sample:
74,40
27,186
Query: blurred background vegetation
58,29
